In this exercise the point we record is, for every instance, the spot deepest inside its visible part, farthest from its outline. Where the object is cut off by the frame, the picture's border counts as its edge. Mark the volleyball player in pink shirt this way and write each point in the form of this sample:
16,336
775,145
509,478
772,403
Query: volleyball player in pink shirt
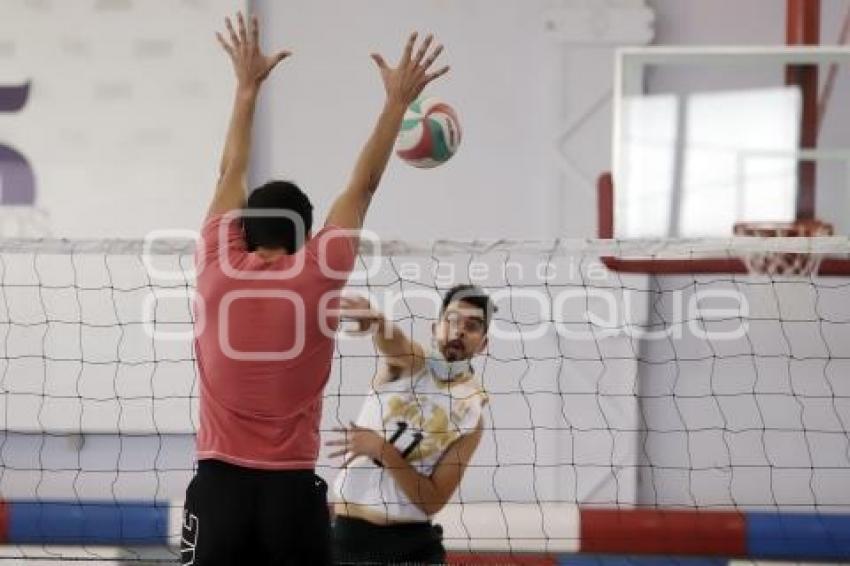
263,350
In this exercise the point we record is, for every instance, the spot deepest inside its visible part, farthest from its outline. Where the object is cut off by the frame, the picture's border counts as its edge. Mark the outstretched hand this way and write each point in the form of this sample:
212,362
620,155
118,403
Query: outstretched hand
249,63
359,309
405,82
358,441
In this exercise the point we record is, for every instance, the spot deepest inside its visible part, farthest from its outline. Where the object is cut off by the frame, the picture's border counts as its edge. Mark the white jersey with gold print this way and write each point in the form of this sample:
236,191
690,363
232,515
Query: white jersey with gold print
421,416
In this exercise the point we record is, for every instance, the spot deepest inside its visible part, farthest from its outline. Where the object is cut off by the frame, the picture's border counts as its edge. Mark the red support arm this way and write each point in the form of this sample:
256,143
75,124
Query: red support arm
803,28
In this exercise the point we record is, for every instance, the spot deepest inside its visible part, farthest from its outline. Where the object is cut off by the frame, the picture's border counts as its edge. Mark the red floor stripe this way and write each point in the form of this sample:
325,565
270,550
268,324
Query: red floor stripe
647,531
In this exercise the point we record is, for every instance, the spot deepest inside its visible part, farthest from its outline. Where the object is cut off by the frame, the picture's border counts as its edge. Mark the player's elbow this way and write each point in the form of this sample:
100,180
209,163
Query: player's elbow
438,499
431,508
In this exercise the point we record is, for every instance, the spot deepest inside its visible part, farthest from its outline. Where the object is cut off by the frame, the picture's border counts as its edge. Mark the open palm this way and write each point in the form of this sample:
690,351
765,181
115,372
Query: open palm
251,65
406,81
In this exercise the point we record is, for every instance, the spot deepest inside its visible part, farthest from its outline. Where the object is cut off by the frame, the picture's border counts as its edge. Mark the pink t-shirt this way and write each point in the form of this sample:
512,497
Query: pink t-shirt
263,346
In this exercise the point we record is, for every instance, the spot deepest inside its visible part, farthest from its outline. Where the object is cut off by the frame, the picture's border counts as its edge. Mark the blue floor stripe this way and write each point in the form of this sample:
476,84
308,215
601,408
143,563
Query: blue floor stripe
619,560
88,523
798,536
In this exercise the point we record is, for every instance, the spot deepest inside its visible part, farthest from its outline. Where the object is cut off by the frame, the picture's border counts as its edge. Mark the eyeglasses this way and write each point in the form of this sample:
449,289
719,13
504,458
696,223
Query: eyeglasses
471,324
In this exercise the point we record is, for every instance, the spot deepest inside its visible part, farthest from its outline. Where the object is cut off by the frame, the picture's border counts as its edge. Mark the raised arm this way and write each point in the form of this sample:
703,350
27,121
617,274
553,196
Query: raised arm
403,84
401,354
251,68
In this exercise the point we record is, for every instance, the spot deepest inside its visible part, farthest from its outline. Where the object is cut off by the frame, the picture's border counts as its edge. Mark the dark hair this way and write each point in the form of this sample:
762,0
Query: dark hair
473,295
285,203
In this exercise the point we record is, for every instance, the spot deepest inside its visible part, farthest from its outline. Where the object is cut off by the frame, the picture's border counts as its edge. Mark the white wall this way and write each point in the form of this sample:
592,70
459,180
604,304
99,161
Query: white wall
125,116
319,110
136,112
833,198
530,79
719,22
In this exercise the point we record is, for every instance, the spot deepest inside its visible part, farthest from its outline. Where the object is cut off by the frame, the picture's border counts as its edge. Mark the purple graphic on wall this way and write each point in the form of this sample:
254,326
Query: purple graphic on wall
17,181
13,98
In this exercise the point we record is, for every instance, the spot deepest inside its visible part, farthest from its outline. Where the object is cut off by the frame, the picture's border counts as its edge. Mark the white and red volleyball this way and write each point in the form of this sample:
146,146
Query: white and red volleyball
430,133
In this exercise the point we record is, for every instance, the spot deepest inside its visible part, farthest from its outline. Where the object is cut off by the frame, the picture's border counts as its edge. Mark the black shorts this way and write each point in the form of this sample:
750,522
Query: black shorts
360,542
236,515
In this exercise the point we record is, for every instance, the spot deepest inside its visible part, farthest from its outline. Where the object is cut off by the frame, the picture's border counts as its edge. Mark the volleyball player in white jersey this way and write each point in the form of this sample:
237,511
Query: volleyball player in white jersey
415,435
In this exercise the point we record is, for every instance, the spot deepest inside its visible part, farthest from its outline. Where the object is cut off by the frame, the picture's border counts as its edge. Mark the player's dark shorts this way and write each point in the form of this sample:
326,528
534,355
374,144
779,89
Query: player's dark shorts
236,515
360,542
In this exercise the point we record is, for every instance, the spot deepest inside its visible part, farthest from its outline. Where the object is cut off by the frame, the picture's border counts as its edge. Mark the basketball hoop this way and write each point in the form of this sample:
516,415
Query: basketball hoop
783,262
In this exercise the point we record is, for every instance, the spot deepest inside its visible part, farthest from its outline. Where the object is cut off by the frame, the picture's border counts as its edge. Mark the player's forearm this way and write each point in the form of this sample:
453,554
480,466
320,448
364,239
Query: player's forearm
391,341
376,153
419,489
237,147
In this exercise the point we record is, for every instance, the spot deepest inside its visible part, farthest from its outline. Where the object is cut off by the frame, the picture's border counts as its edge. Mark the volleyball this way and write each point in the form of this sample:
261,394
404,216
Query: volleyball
430,133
